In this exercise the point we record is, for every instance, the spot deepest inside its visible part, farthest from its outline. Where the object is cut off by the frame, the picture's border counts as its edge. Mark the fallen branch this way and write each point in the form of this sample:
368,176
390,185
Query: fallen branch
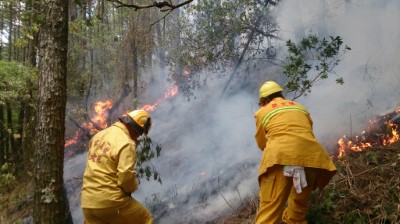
85,130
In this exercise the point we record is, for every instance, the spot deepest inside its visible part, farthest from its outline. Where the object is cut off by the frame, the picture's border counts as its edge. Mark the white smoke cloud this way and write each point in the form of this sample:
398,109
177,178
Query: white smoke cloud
371,70
209,159
209,154
208,162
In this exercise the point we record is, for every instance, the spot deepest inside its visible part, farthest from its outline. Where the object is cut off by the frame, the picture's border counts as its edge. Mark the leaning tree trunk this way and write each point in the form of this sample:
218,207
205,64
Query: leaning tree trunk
49,200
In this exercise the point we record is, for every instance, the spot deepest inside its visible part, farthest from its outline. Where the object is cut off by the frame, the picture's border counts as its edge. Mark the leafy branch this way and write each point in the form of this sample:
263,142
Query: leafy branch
145,152
310,61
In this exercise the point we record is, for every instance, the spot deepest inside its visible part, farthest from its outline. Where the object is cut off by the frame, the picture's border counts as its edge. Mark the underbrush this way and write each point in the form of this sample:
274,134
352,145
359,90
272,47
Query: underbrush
16,197
365,189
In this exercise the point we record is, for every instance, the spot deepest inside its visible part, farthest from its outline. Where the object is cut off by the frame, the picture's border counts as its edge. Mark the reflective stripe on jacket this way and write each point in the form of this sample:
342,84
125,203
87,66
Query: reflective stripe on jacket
109,176
284,134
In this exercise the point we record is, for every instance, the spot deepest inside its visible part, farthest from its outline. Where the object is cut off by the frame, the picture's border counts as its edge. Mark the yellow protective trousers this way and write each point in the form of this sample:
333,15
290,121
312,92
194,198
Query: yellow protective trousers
277,189
133,213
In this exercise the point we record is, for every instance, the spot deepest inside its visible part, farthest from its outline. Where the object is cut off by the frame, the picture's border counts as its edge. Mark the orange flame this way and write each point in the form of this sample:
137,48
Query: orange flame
100,118
101,109
371,139
170,93
71,141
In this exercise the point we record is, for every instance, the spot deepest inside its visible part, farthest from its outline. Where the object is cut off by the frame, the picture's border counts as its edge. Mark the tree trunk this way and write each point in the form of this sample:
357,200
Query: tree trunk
135,73
1,28
18,143
28,143
161,48
10,32
32,43
29,115
49,202
135,64
2,137
10,127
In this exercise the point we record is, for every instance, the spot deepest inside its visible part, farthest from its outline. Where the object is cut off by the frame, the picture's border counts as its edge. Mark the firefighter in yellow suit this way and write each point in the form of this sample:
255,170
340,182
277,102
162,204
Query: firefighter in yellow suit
284,135
110,177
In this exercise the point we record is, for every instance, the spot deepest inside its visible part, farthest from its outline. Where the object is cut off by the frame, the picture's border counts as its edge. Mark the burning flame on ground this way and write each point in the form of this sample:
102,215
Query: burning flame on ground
99,119
101,109
381,131
170,93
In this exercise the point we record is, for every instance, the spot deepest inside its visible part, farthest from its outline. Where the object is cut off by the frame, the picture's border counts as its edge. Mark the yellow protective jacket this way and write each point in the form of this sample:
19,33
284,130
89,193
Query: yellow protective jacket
284,134
109,176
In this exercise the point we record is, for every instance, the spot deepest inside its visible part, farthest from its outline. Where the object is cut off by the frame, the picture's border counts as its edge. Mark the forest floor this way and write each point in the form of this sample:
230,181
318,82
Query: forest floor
16,201
366,189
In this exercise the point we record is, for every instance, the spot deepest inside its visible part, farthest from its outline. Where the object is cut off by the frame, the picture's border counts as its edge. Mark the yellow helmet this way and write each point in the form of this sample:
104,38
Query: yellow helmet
138,120
269,88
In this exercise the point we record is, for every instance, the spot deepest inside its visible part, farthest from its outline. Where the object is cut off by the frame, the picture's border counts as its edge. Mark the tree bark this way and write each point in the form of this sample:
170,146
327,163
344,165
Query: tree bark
29,115
2,137
10,31
33,43
49,202
10,127
135,62
161,49
18,143
1,28
27,142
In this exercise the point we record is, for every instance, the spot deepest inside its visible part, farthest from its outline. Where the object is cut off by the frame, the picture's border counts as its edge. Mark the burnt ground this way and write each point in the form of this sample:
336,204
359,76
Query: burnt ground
366,189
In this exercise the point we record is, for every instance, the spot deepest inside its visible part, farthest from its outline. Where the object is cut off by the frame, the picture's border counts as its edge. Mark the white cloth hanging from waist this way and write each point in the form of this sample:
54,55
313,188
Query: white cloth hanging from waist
299,176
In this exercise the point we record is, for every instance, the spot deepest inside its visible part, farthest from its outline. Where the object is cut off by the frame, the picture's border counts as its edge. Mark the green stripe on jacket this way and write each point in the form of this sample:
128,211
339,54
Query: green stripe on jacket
279,110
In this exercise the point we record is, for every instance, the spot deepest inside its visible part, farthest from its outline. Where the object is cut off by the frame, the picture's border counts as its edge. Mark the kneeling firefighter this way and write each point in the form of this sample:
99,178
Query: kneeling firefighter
110,176
293,162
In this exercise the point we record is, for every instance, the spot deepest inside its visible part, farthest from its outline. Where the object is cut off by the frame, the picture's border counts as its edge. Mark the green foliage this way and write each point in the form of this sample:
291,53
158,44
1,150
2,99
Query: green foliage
94,56
310,61
78,2
6,176
218,35
321,204
146,151
355,218
372,157
17,82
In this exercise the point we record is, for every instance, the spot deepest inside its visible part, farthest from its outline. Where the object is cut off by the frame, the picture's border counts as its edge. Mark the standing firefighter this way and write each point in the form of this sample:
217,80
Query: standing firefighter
293,163
110,177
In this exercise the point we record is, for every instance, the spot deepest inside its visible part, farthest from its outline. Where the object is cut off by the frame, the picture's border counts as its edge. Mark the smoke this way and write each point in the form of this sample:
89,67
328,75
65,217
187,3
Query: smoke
209,155
208,162
371,70
209,158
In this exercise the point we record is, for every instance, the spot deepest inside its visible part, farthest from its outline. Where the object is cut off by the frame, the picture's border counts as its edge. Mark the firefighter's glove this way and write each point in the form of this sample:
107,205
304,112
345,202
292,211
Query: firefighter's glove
299,176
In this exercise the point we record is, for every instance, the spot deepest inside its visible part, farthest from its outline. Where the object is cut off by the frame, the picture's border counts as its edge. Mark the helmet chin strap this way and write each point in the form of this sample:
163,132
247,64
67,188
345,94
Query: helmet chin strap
132,125
147,126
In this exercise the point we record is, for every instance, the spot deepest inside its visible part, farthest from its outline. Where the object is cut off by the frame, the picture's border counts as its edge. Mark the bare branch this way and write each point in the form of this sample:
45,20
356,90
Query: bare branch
163,6
85,130
160,18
